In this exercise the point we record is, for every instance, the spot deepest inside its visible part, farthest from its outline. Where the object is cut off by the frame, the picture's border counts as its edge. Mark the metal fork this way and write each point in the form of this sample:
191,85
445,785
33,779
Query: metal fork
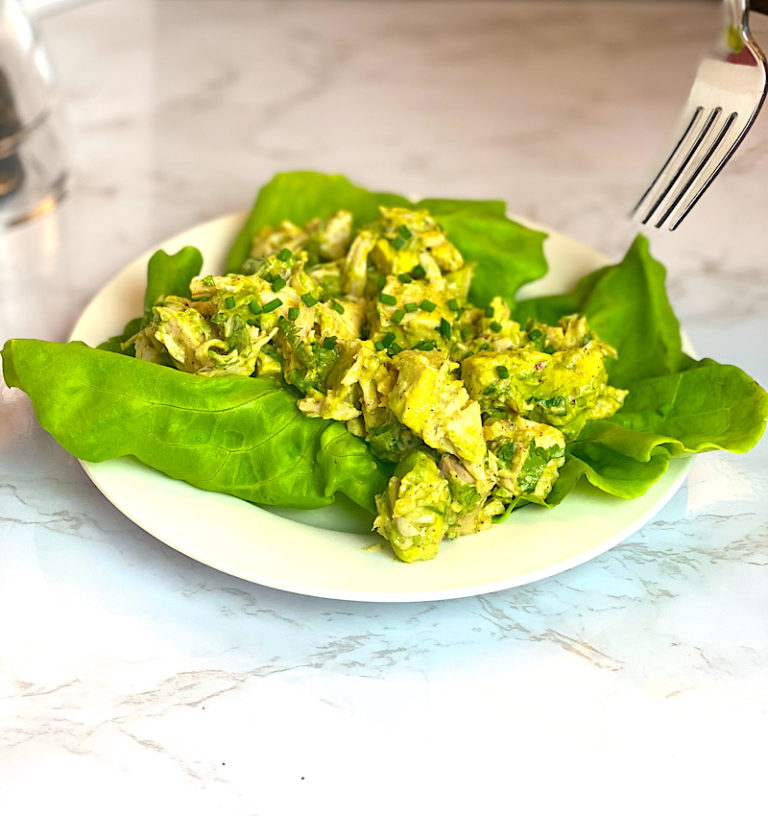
726,96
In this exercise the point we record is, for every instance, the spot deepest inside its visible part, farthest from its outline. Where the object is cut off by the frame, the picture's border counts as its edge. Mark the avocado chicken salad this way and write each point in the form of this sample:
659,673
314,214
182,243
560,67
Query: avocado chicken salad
359,345
373,328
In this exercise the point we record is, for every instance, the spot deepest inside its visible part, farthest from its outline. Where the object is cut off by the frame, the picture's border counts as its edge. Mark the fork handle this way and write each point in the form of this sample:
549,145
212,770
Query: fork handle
759,5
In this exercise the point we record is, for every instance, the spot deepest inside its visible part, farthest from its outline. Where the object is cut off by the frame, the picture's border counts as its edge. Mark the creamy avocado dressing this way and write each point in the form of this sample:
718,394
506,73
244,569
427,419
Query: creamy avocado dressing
374,329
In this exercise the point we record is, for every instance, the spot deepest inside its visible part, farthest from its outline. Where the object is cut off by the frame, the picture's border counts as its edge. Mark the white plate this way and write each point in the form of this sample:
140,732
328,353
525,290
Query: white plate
329,553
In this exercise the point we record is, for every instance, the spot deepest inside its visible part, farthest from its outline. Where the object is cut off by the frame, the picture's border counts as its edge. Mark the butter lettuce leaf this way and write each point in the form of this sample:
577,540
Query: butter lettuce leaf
507,254
171,274
627,306
238,435
301,196
676,405
166,275
115,343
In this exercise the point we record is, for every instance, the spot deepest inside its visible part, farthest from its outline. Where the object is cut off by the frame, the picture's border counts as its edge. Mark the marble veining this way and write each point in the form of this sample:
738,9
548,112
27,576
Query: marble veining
134,678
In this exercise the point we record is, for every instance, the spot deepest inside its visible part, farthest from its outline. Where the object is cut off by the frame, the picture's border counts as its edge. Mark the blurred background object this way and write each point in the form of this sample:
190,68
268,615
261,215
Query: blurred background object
32,152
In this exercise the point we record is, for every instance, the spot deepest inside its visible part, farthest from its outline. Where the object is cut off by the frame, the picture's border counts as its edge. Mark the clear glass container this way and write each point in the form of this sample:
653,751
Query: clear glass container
33,159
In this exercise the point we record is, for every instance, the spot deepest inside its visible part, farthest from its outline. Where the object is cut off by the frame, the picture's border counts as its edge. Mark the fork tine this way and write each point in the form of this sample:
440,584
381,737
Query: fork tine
708,154
694,118
705,186
684,163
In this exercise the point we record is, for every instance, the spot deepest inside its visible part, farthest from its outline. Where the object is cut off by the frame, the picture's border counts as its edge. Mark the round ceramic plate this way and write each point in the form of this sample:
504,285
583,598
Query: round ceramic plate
330,552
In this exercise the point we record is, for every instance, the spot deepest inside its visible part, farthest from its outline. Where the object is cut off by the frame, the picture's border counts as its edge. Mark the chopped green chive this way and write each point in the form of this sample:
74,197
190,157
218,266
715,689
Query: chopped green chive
418,272
535,334
466,333
403,278
426,345
382,281
293,313
453,305
254,307
272,305
329,343
503,372
427,306
379,430
208,280
278,283
252,321
445,328
549,349
309,299
552,402
229,302
390,300
389,338
489,311
411,307
484,347
405,232
285,254
496,326
489,389
337,306
378,345
397,316
398,243
395,349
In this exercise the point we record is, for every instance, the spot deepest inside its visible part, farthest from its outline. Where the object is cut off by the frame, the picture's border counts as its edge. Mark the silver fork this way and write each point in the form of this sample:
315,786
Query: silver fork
726,96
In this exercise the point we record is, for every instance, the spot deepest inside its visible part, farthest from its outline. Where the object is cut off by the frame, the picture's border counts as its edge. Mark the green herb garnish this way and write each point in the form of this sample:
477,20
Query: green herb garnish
272,305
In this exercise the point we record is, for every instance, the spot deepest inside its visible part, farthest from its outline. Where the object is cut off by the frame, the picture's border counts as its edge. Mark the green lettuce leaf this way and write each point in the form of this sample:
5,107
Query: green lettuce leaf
302,196
171,274
115,343
627,306
675,405
442,206
238,435
508,254
166,275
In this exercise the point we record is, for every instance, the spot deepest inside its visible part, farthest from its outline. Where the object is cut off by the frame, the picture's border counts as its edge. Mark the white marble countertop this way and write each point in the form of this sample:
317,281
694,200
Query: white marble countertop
133,679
